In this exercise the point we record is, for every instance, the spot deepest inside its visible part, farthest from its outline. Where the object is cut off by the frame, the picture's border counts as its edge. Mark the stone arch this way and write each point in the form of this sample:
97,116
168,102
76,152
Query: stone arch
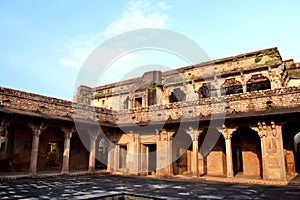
177,95
51,148
258,82
214,163
246,152
15,151
79,155
231,86
181,153
101,154
205,90
291,147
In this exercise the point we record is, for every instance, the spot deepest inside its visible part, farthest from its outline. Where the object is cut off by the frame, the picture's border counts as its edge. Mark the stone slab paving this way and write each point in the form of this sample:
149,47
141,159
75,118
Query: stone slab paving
99,186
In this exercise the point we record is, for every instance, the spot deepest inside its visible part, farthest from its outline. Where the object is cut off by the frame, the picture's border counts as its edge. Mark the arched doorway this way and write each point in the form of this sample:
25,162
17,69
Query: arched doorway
214,163
101,154
79,155
246,152
181,153
51,147
291,146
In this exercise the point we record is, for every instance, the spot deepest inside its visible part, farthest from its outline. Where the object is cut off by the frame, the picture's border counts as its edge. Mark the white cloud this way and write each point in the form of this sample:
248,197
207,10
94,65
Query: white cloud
139,14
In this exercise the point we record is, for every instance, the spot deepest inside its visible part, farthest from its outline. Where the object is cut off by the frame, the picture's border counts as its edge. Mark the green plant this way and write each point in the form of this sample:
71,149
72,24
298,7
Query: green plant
269,62
263,51
258,59
291,74
235,59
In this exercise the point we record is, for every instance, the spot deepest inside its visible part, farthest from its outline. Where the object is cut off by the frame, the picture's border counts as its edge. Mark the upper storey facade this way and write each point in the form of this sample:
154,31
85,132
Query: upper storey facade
254,71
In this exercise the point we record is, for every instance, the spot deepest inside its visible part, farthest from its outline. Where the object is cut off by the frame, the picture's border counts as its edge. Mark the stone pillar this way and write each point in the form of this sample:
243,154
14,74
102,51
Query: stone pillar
137,153
66,156
278,129
110,159
36,132
116,157
229,157
262,132
4,135
227,133
170,152
194,161
93,138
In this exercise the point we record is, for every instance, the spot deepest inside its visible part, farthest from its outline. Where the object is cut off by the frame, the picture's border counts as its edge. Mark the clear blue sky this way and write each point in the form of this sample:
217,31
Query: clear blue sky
44,43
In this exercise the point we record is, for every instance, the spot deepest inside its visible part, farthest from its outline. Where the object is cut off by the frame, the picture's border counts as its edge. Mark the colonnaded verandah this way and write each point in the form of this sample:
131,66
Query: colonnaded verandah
156,124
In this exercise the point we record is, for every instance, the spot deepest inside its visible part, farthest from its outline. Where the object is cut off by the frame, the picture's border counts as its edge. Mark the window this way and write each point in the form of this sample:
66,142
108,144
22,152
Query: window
138,102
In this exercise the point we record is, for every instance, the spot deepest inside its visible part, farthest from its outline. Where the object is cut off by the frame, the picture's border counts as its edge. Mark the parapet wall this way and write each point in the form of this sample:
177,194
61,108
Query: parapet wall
29,102
236,103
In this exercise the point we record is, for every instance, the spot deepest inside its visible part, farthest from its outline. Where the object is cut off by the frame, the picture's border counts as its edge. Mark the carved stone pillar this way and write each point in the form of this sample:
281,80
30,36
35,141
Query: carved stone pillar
36,132
66,156
93,138
227,133
194,162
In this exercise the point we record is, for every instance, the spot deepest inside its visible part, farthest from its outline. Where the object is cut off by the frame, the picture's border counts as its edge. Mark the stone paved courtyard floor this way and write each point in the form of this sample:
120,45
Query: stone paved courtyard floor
99,186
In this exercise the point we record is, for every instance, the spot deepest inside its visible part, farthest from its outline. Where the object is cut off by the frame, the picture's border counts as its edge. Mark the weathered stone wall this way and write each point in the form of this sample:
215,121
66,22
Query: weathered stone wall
29,102
236,103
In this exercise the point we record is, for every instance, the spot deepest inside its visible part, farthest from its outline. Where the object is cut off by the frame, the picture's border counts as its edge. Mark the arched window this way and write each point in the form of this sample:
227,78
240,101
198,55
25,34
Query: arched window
258,82
207,90
231,86
177,95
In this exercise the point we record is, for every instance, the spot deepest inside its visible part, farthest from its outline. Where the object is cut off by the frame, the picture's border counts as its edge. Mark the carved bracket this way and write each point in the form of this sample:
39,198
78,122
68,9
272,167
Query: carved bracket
262,129
68,132
37,128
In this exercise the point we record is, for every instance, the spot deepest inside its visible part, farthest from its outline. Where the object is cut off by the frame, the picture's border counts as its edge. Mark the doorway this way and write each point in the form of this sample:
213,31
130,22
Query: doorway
54,155
237,158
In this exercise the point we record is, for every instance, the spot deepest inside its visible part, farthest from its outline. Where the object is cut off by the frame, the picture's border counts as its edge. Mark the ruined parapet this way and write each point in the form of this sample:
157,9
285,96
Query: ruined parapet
27,103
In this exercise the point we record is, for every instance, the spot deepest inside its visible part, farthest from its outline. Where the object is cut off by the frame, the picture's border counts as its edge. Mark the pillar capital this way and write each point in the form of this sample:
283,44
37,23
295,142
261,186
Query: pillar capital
261,129
194,133
274,130
227,131
37,128
93,134
68,131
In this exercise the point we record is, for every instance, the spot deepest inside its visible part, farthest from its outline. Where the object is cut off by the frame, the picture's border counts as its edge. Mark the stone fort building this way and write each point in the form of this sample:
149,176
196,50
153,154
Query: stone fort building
232,117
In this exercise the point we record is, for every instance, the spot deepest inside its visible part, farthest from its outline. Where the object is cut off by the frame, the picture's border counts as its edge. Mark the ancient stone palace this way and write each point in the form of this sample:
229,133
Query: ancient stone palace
232,117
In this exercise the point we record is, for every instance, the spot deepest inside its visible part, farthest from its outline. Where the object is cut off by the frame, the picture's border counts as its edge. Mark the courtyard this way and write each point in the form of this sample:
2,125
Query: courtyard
103,186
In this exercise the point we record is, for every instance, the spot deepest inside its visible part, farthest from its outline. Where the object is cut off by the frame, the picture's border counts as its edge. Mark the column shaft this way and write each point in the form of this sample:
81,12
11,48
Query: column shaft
34,154
229,158
66,155
194,162
92,156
